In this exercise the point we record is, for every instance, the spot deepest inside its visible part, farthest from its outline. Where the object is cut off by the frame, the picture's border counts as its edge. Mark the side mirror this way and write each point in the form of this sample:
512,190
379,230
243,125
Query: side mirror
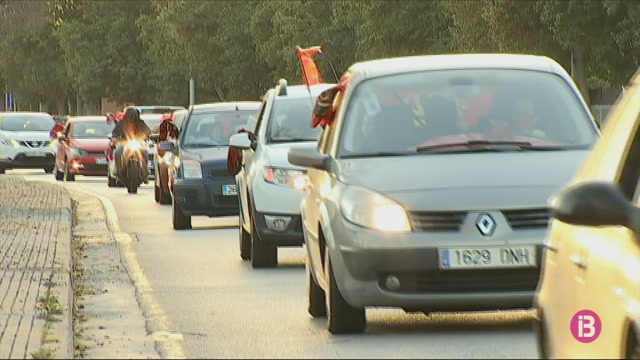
166,146
240,141
308,157
597,203
154,137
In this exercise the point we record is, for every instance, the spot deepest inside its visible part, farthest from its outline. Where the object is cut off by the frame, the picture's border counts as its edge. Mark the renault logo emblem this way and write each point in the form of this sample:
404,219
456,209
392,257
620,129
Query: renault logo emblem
485,224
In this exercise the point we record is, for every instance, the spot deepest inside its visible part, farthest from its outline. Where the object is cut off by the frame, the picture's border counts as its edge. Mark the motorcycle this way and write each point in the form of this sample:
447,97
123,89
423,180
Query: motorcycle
130,168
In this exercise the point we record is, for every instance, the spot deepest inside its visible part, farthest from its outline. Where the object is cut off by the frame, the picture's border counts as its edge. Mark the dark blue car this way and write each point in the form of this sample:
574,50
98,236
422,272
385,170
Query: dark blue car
199,182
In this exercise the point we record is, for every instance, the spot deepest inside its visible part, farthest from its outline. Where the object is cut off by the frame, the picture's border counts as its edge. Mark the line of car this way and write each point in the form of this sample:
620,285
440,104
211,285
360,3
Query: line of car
436,183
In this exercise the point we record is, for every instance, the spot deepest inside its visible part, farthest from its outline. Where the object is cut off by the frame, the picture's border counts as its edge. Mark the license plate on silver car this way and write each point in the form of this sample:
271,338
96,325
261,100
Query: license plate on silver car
229,190
488,257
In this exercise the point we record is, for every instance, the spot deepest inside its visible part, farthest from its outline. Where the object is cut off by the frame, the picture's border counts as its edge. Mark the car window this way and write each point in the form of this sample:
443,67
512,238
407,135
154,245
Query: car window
407,112
95,130
27,123
153,121
290,120
215,128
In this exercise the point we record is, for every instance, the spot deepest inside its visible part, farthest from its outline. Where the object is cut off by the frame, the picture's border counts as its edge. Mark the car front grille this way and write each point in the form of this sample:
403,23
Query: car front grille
437,220
35,144
465,281
527,218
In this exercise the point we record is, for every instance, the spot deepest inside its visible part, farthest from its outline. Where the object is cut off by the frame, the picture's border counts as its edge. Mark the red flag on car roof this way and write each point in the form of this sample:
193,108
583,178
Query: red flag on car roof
310,72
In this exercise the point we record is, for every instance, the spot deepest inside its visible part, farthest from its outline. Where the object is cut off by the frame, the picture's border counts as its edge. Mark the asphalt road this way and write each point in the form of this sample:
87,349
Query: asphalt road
222,308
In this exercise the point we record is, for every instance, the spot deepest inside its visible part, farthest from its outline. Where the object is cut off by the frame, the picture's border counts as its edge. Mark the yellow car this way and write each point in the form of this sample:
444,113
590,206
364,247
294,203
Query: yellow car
588,297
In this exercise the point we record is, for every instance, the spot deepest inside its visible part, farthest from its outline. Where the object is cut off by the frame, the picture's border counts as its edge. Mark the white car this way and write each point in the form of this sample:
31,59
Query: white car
267,183
25,141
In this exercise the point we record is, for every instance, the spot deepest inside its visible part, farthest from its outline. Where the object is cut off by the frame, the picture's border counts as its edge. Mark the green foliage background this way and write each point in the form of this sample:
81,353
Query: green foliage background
63,53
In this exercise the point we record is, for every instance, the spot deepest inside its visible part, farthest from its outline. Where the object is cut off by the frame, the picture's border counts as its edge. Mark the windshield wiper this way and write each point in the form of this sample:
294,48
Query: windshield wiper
471,143
290,139
377,154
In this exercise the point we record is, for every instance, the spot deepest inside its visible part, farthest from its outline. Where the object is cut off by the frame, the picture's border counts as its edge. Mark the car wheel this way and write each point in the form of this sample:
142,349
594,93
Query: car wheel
245,241
180,220
317,306
262,255
59,174
165,196
2,170
111,181
156,192
49,169
633,346
70,176
342,318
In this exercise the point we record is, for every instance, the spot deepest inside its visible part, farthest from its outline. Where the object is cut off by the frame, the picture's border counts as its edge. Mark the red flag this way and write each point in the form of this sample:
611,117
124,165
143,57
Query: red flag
310,72
323,111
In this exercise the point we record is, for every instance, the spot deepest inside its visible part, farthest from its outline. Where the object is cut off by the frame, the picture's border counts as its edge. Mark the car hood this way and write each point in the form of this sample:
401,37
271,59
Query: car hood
466,181
26,135
276,154
208,154
90,144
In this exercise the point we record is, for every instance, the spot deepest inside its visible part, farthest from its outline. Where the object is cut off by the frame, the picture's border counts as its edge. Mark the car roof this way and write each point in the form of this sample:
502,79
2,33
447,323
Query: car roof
302,91
87,118
23,113
226,106
398,65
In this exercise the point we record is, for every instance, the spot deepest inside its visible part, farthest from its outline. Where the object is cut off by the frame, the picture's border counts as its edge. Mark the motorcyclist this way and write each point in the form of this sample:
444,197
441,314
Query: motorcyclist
131,127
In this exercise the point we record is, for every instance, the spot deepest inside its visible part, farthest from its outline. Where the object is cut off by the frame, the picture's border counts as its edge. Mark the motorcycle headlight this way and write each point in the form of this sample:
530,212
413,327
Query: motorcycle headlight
79,152
372,210
191,169
134,145
281,176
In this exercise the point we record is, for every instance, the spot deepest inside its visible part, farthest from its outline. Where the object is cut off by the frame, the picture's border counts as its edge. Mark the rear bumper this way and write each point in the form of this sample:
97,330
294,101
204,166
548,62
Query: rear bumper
203,197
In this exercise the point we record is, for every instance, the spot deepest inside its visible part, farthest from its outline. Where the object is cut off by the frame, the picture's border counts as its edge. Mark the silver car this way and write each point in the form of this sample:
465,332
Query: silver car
428,190
25,141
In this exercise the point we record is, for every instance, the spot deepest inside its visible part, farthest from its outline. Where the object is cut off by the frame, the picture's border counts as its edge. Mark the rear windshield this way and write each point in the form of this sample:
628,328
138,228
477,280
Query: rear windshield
26,122
215,128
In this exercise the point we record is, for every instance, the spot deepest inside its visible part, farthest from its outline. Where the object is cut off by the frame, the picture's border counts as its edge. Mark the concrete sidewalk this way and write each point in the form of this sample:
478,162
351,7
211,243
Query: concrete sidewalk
35,270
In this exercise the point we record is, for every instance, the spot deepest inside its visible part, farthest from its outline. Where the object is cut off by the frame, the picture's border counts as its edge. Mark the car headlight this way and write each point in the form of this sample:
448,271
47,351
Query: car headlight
372,210
191,169
79,152
281,176
13,142
167,157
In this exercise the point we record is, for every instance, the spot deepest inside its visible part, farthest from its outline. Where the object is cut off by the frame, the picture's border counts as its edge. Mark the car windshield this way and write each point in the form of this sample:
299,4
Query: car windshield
26,122
291,121
465,110
215,128
153,121
92,130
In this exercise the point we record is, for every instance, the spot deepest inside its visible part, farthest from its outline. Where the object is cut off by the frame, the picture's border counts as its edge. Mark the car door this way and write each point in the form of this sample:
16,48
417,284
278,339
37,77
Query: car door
248,159
603,254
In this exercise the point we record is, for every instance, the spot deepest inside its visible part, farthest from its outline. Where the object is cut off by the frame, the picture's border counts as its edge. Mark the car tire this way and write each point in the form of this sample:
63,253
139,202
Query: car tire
633,346
156,192
317,306
111,181
180,220
165,196
69,176
49,169
59,174
262,255
342,318
245,240
2,170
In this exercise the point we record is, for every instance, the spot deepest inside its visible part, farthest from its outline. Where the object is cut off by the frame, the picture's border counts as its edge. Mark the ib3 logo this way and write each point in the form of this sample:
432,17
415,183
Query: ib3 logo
586,326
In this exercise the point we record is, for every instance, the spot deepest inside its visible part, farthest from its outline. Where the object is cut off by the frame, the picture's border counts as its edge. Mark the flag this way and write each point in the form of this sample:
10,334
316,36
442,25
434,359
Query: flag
310,72
324,111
